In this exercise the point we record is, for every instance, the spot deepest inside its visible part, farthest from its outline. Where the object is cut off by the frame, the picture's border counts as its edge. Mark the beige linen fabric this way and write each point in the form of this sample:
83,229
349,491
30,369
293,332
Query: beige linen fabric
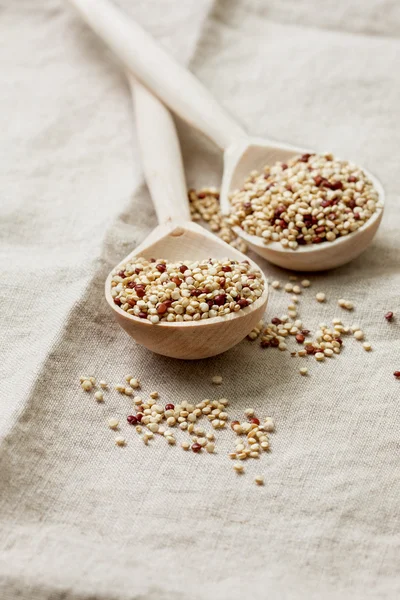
82,519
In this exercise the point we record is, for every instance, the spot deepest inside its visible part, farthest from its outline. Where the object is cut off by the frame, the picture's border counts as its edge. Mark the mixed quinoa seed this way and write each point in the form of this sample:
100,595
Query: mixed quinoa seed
312,199
150,419
325,342
158,290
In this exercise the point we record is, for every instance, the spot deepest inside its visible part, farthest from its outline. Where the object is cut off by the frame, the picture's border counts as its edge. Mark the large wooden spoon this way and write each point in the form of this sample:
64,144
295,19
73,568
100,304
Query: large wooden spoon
186,96
177,238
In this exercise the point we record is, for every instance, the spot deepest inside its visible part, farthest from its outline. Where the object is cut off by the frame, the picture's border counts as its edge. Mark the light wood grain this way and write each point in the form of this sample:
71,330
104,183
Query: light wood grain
186,96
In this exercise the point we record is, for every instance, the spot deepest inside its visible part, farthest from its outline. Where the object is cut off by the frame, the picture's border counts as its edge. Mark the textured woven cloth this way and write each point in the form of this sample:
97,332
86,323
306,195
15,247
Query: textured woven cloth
81,519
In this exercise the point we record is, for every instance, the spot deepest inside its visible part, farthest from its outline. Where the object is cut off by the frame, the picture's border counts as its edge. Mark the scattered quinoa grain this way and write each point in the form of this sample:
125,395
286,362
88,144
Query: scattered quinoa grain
87,385
358,334
269,424
389,316
113,423
320,297
276,284
397,374
103,384
367,346
303,371
320,356
216,380
259,480
238,467
99,396
306,283
120,441
185,445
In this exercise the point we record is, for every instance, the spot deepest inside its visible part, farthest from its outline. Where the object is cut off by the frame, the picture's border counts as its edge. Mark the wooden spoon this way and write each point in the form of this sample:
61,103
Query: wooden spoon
177,238
186,96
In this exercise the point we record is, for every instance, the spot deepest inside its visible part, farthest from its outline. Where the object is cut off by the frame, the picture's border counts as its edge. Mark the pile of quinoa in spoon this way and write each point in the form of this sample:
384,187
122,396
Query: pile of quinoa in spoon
159,290
311,199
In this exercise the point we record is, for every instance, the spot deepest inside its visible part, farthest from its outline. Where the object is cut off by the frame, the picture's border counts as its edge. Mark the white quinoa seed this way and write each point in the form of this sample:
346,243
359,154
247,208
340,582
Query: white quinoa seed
306,283
120,441
113,423
103,384
87,385
269,424
303,371
238,468
99,396
320,297
185,445
345,304
276,285
358,334
367,346
320,356
259,480
216,380
210,447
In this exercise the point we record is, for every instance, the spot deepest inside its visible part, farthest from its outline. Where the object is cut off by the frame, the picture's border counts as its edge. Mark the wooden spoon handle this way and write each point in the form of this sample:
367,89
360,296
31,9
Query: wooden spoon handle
161,156
168,80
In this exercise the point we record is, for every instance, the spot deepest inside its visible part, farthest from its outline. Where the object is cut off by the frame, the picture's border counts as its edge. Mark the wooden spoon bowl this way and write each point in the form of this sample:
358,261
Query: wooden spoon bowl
188,98
255,154
193,339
